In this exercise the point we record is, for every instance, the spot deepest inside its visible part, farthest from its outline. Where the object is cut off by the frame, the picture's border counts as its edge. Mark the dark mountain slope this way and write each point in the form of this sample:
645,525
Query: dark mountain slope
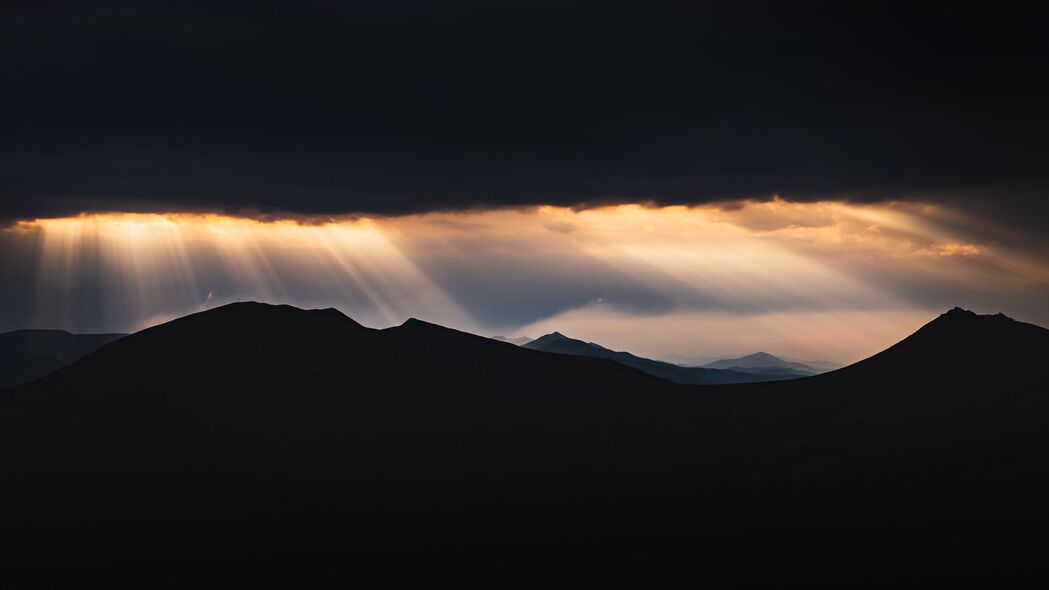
960,347
27,355
558,343
254,438
21,367
952,419
958,359
235,418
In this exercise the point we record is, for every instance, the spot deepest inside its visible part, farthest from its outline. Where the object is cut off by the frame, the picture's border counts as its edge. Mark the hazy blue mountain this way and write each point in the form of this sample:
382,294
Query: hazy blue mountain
686,360
762,361
27,355
817,366
561,344
820,366
518,340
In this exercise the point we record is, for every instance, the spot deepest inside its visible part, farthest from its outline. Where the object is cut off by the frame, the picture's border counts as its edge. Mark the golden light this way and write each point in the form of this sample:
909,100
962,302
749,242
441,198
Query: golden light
153,260
776,271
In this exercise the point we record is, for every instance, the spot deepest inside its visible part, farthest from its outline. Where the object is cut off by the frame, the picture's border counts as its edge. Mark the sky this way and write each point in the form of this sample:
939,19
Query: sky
671,178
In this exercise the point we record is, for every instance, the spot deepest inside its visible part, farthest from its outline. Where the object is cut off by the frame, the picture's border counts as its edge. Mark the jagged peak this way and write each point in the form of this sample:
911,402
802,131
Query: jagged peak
961,313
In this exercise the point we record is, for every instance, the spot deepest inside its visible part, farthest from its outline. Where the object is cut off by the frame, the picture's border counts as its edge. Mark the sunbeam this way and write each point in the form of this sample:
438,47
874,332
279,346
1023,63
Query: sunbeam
779,270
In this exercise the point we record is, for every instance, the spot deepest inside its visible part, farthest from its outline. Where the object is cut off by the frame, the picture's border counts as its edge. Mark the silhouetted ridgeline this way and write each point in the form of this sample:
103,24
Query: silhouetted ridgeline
262,440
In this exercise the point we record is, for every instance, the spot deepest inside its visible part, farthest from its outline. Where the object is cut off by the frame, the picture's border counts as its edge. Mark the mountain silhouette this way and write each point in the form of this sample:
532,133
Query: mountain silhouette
559,343
258,439
258,341
762,361
958,358
27,355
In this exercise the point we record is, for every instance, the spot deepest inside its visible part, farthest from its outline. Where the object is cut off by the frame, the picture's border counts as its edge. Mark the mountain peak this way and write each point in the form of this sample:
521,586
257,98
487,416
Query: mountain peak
960,314
760,360
762,355
957,349
546,339
964,337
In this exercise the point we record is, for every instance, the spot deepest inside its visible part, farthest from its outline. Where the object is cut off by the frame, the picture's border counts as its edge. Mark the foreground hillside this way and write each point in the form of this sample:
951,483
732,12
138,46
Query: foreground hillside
255,439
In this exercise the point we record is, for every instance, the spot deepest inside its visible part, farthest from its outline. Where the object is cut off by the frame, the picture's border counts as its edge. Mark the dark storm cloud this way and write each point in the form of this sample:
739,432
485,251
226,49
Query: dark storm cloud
321,108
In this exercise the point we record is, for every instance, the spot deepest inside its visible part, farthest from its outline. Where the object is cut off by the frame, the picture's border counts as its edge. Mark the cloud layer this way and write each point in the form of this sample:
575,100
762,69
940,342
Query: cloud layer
326,108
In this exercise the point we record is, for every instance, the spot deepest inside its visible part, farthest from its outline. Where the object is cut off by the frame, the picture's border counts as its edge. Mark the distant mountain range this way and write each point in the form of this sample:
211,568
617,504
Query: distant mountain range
813,365
518,340
27,355
257,439
760,366
561,344
763,361
819,366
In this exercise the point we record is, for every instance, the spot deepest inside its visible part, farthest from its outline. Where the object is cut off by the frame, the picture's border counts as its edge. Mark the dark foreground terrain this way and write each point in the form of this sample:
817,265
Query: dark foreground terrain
257,442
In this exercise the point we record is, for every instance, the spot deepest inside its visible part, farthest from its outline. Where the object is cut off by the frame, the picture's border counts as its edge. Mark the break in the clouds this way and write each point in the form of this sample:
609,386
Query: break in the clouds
329,108
819,280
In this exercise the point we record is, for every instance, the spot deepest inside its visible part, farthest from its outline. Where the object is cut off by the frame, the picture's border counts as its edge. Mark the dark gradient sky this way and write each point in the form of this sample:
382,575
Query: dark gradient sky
342,107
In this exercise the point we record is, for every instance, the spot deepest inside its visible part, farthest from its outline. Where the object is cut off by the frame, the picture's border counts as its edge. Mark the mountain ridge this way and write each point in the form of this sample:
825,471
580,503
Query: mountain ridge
277,432
333,344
